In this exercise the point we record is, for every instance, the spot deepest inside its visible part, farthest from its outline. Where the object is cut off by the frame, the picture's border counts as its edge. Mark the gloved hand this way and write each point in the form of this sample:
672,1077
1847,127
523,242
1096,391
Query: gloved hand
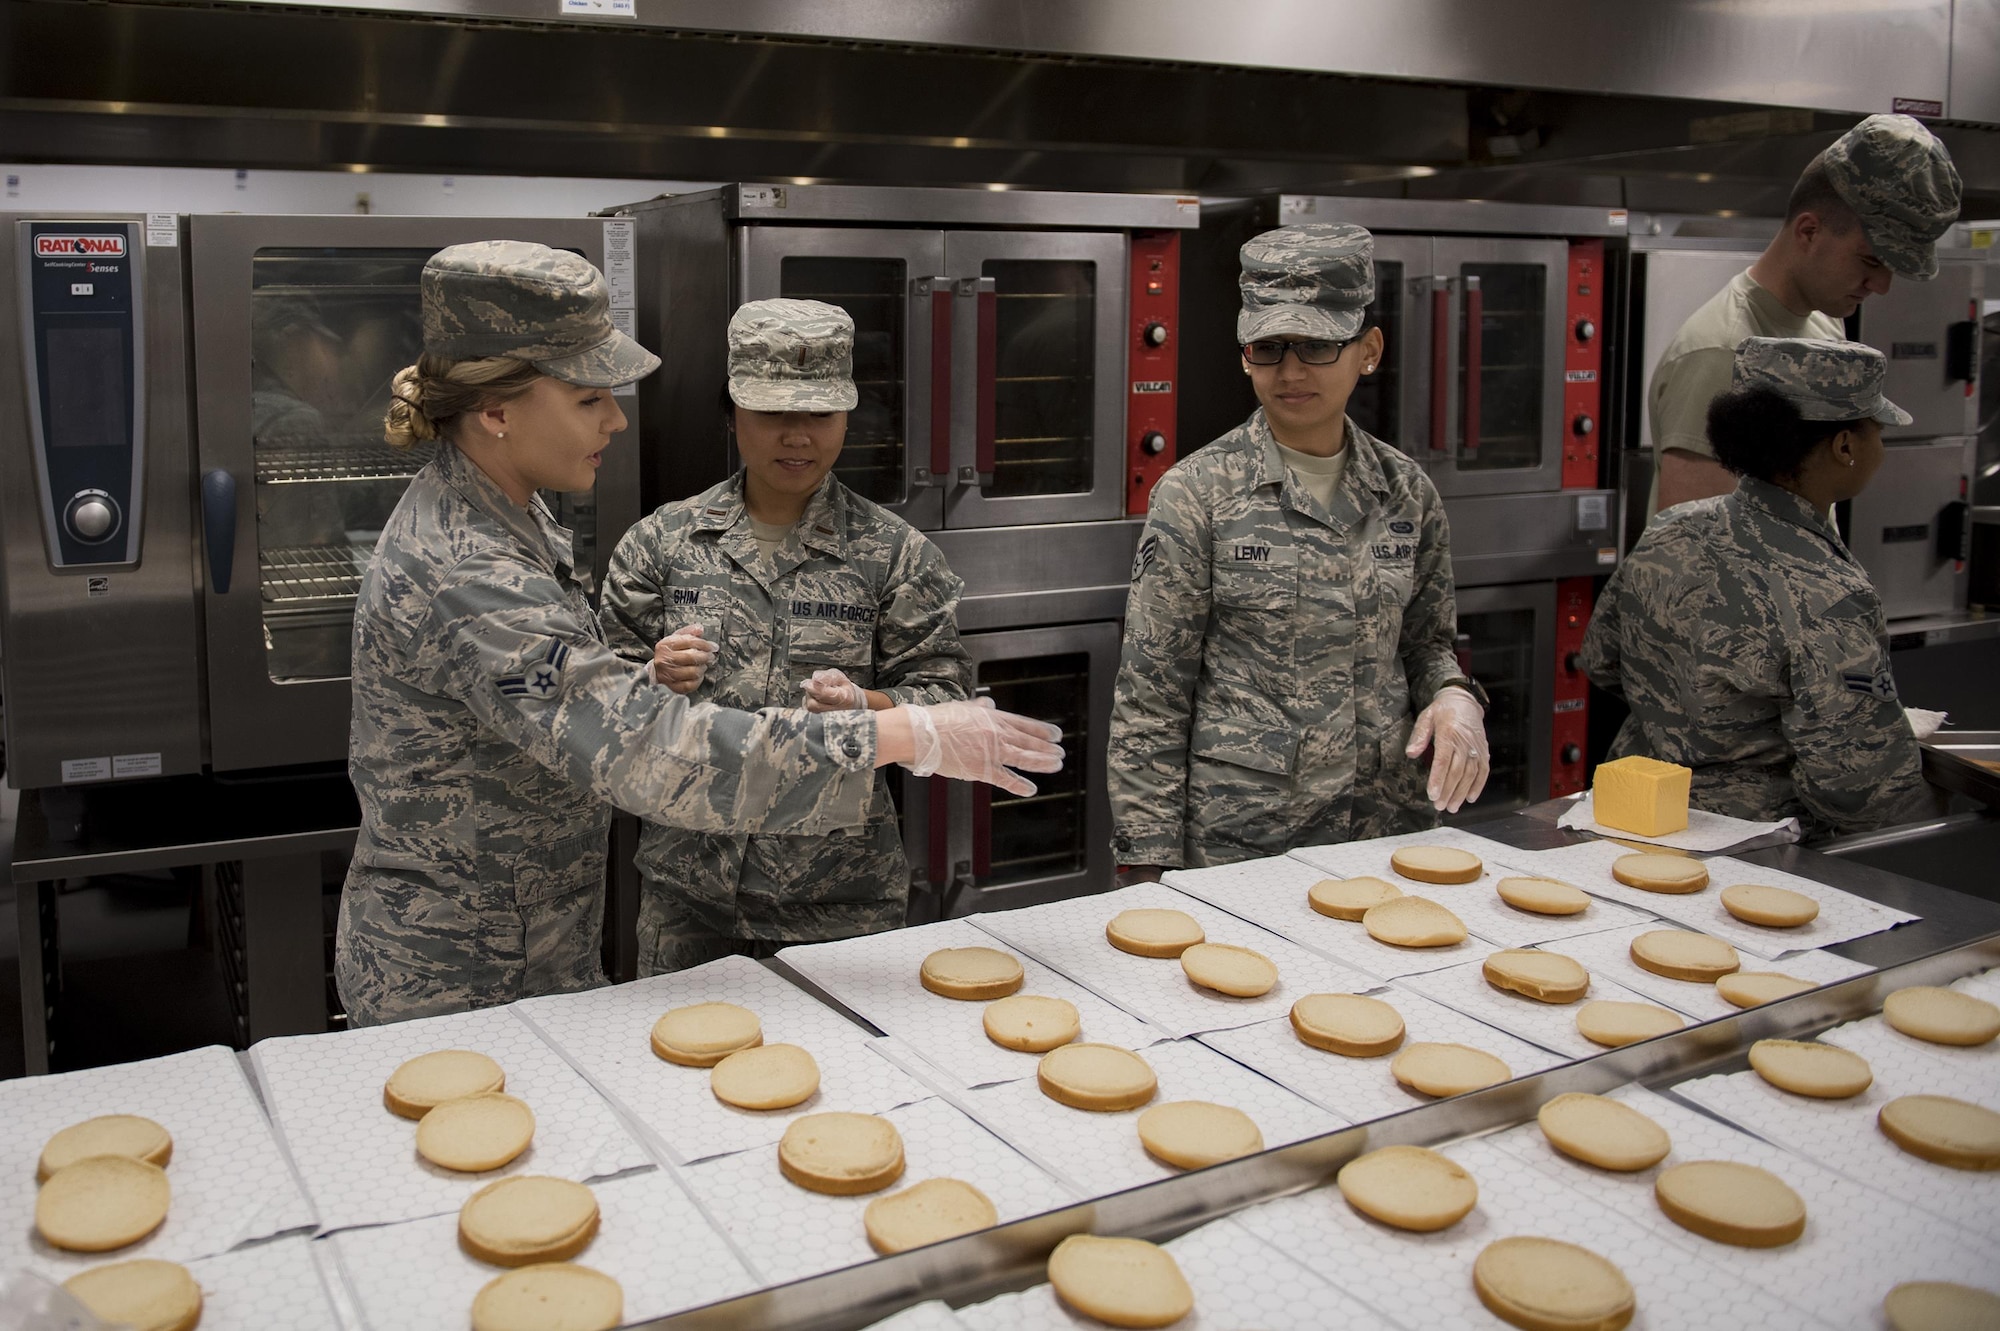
832,691
681,658
1459,761
971,741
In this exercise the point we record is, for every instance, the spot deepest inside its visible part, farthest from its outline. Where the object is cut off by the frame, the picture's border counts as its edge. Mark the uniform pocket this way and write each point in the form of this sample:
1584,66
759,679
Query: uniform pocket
545,873
1246,732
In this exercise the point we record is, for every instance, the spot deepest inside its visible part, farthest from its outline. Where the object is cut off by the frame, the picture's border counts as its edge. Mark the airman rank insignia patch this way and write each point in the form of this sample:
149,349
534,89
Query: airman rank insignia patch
543,678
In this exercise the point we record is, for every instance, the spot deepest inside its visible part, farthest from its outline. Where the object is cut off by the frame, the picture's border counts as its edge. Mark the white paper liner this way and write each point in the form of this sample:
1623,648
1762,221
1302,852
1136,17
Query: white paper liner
273,1286
1610,954
1068,936
360,1162
1858,1244
1842,915
1271,893
652,1239
1425,1280
230,1182
1478,902
607,1034
1097,1153
876,975
1841,1134
932,1316
1550,1025
339,1295
788,1233
1909,1066
1360,1089
1237,1280
1707,832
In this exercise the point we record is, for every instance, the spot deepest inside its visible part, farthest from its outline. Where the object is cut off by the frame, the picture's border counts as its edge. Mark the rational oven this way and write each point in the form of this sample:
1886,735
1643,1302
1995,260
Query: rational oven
197,477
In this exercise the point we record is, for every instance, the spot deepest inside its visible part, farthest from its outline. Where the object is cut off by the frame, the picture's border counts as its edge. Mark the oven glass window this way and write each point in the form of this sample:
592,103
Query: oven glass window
1497,648
1511,365
1375,404
1039,835
874,293
1044,376
329,329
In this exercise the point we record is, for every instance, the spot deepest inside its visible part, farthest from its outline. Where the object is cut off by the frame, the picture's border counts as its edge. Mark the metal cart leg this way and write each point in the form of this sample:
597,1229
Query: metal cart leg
282,945
621,905
41,972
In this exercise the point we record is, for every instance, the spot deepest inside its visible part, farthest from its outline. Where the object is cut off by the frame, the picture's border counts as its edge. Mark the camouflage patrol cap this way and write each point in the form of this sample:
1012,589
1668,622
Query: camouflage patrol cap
514,298
1825,380
1311,280
1900,181
792,355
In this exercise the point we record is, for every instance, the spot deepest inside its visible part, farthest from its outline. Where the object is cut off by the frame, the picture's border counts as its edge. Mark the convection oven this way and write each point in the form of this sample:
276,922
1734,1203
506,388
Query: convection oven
198,476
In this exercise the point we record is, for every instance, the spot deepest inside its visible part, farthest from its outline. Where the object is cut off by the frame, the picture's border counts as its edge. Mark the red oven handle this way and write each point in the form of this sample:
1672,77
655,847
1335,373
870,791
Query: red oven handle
1475,320
982,831
983,439
1440,360
940,381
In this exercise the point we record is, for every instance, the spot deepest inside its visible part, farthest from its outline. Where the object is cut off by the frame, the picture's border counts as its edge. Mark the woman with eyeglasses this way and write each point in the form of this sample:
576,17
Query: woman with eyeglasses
1288,636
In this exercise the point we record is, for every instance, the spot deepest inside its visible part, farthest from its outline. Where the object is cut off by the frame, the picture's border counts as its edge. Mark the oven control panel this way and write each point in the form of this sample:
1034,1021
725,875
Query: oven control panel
1583,365
1572,719
1153,356
82,340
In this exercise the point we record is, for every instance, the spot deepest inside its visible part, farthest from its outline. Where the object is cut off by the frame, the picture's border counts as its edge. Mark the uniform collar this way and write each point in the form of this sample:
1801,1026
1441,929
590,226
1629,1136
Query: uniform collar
819,528
1787,507
532,525
1362,476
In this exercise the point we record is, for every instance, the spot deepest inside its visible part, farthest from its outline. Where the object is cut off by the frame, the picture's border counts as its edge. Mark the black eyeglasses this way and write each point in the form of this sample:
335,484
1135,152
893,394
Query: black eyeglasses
1310,351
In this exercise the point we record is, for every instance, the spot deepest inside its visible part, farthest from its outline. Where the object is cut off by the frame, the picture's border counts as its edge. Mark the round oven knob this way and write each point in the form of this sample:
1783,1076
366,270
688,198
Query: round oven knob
1154,334
1585,330
92,516
1572,754
1584,425
1153,442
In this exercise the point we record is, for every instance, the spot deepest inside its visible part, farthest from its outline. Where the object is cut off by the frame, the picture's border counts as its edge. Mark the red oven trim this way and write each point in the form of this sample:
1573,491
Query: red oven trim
1583,365
1570,735
1155,297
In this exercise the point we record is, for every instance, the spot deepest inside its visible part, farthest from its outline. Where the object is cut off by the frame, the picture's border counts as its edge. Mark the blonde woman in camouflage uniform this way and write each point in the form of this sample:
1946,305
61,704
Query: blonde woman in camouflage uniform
492,726
806,590
1747,641
1288,636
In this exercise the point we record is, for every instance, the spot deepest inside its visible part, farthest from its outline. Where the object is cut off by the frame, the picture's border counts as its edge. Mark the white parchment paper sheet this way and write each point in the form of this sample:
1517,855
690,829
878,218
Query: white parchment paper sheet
1858,1244
1709,832
360,1162
788,1233
230,1181
1069,937
1360,1089
1550,1025
876,975
1425,1280
1610,954
607,1034
1098,1153
1478,902
652,1239
273,1286
1237,1279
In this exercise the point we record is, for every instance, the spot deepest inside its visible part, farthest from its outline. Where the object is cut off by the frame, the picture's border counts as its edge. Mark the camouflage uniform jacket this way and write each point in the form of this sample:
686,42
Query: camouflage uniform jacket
1751,648
492,725
1275,650
852,587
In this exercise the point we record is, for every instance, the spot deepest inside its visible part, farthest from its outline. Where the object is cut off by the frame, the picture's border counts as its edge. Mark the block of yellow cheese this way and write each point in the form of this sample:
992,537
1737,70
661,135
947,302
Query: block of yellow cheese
1643,796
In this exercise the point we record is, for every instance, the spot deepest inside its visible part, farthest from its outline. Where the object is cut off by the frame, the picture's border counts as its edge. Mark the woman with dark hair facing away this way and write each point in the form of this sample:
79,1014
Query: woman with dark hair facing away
1746,639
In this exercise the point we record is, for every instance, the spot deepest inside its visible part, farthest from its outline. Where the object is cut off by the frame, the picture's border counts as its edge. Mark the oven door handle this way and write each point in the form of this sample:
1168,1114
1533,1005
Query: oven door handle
1475,319
1440,362
934,302
985,445
218,527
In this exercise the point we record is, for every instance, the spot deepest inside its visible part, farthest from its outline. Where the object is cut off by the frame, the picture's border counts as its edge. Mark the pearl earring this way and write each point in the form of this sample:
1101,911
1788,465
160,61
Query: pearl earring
503,434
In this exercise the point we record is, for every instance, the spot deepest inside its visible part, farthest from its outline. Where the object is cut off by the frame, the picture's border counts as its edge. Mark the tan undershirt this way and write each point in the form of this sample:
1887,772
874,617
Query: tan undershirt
769,535
1319,476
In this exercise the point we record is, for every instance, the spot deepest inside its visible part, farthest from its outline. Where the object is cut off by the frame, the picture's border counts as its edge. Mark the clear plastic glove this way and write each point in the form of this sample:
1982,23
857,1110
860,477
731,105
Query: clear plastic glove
1454,725
1923,723
681,659
31,1302
971,741
832,691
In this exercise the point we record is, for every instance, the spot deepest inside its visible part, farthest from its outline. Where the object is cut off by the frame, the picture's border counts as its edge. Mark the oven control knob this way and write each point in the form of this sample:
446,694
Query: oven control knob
1154,334
92,516
1572,753
1584,425
1585,330
1153,443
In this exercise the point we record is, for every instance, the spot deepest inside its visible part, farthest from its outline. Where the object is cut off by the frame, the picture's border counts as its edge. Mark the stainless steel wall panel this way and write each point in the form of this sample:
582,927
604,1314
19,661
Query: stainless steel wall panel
1975,62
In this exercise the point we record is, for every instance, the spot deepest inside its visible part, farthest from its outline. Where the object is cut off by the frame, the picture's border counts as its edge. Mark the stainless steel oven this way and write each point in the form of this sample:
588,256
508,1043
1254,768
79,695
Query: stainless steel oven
230,412
1014,350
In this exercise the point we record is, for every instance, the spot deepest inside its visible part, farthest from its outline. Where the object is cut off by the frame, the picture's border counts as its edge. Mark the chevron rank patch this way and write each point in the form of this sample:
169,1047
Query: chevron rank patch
543,678
1880,684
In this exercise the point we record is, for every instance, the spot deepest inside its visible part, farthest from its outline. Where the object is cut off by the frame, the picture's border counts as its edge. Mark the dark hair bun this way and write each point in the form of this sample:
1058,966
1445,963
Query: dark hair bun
1755,432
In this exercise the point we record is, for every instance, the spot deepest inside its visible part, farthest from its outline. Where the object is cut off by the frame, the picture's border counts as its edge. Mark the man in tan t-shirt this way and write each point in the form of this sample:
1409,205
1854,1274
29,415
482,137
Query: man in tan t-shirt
1867,209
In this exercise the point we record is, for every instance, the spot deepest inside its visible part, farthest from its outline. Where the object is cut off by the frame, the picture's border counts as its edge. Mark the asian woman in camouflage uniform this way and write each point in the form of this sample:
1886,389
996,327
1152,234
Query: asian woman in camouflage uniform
1747,640
799,584
493,728
1288,636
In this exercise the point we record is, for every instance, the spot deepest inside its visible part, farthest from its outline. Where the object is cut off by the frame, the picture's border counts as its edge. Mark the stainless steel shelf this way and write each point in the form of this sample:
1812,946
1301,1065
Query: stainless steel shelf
305,577
320,460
